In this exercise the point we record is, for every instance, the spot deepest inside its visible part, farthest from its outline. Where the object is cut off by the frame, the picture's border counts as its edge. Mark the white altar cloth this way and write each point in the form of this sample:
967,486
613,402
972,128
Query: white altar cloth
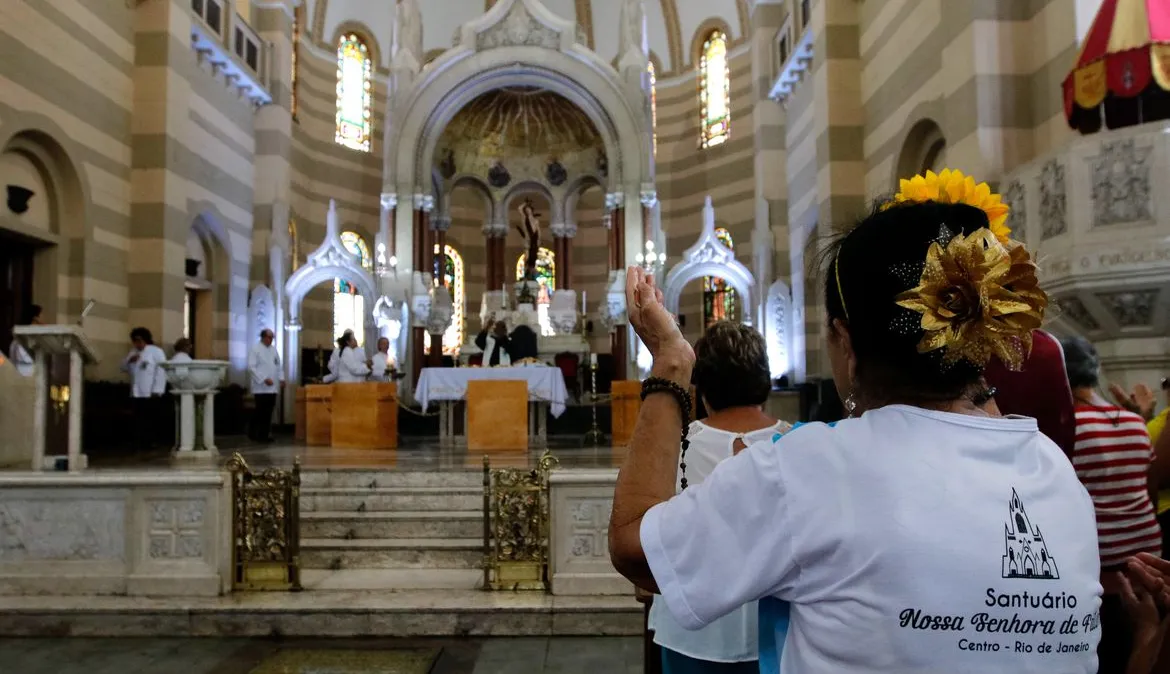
545,384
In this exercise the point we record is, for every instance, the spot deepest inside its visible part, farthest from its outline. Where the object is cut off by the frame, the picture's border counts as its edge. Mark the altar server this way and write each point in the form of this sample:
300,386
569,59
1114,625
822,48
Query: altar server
381,361
16,353
352,365
334,358
147,383
265,375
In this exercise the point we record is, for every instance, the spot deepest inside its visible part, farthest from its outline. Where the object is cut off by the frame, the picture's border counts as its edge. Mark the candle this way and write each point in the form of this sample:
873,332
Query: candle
593,360
583,311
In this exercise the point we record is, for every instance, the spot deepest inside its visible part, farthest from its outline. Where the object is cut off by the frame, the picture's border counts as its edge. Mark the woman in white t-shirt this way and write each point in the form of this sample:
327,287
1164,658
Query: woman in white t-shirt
923,534
352,364
733,379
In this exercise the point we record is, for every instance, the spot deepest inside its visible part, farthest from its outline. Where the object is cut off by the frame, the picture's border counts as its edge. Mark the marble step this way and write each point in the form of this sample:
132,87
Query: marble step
324,613
392,553
352,499
392,579
366,478
393,524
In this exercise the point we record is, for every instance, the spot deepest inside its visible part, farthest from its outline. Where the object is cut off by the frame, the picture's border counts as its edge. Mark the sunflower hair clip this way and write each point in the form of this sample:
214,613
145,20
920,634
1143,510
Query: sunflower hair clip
978,295
952,187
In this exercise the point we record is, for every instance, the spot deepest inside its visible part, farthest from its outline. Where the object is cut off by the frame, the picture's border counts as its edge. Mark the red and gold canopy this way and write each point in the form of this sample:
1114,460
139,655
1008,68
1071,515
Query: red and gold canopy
1127,48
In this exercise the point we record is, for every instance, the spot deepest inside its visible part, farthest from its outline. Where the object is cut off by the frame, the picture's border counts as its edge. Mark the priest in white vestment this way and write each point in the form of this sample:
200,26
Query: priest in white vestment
380,364
265,375
147,383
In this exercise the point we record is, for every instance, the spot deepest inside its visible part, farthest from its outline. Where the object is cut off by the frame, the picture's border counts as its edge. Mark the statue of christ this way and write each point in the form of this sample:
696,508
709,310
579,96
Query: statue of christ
531,233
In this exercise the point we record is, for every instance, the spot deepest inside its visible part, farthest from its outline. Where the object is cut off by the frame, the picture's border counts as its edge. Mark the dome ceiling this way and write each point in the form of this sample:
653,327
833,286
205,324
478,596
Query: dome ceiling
672,25
524,130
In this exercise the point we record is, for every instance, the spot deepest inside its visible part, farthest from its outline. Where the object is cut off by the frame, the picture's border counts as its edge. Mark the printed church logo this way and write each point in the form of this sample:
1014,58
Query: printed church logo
1025,554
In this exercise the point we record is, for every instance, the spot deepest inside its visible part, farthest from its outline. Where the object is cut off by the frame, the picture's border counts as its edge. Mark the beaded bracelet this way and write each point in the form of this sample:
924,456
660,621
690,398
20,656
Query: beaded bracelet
683,397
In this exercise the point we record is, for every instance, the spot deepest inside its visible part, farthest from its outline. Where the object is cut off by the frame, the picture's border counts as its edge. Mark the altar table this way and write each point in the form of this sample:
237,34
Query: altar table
448,387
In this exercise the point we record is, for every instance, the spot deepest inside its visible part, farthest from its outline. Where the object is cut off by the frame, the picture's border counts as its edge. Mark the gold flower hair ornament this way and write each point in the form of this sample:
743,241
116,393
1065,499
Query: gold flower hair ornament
978,298
952,187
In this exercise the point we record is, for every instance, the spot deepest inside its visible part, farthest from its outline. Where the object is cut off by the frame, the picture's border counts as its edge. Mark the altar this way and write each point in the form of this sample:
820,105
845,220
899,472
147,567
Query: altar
449,388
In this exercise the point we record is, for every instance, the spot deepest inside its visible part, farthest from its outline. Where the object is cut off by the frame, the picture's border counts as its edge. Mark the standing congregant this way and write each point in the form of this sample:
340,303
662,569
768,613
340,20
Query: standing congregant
265,375
147,383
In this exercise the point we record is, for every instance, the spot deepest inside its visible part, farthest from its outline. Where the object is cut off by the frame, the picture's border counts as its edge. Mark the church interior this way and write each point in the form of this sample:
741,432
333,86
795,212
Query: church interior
255,180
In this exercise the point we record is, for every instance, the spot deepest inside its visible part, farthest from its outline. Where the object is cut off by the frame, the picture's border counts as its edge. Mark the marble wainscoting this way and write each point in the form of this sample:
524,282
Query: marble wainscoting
580,503
139,534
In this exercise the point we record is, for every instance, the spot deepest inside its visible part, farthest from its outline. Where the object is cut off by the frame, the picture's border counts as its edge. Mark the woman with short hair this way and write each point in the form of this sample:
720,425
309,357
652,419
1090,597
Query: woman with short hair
924,533
733,380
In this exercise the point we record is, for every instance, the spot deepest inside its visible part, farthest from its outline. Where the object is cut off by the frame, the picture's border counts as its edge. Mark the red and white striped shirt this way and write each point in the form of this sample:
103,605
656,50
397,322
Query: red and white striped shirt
1112,458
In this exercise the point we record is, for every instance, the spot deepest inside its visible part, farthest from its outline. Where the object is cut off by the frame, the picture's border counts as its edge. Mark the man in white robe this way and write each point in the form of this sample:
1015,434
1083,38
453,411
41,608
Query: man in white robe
264,375
147,383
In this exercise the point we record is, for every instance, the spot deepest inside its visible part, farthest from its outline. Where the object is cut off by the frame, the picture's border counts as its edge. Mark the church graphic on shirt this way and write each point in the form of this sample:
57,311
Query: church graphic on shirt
1025,554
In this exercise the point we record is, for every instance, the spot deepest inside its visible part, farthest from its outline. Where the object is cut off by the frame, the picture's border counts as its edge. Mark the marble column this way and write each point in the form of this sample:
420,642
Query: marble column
40,408
439,226
76,386
563,234
209,422
494,233
186,420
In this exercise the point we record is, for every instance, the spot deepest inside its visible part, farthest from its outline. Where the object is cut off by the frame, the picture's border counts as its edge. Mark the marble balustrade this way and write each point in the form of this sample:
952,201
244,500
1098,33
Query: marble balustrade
580,501
138,534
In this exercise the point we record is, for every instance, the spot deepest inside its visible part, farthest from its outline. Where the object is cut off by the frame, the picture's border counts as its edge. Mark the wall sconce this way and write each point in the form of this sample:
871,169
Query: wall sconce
18,198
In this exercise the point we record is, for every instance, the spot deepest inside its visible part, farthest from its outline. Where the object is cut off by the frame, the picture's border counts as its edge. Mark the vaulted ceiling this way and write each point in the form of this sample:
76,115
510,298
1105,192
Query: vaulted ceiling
673,25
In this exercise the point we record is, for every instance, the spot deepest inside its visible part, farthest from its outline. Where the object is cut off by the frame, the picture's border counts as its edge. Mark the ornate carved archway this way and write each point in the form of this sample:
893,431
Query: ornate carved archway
330,261
709,257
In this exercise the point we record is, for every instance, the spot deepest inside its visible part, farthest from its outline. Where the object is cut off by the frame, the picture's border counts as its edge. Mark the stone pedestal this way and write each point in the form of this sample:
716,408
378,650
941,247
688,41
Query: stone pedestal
580,502
43,341
195,383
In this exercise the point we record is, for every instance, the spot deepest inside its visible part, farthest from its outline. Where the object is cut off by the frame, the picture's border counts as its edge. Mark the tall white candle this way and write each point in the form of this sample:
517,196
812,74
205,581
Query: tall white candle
583,311
593,360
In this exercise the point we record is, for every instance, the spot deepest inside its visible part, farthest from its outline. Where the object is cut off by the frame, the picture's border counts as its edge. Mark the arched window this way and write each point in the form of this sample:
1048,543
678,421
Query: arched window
453,280
349,308
653,105
715,90
546,275
719,298
353,93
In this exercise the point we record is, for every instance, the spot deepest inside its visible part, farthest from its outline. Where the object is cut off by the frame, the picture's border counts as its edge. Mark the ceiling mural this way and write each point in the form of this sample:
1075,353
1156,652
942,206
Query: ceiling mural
520,134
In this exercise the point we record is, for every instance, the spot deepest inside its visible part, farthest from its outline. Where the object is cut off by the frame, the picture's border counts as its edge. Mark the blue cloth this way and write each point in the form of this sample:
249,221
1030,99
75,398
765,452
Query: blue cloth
674,662
774,613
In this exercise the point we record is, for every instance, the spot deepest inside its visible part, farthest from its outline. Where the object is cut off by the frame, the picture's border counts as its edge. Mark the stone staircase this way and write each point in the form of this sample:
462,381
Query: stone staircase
379,529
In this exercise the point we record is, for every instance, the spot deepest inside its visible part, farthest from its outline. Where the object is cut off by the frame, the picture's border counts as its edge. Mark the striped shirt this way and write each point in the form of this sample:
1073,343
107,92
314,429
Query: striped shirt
1112,457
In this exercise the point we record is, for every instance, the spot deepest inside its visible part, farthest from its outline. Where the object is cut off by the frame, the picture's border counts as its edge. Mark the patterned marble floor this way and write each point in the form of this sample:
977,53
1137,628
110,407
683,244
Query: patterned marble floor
530,655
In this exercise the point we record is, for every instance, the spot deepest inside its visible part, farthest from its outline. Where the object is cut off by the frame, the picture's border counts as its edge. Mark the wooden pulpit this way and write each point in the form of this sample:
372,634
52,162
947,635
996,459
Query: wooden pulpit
365,415
300,412
497,415
318,414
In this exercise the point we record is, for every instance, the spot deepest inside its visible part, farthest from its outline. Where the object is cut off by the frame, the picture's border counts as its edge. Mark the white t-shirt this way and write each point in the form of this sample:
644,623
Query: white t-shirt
146,377
903,540
733,637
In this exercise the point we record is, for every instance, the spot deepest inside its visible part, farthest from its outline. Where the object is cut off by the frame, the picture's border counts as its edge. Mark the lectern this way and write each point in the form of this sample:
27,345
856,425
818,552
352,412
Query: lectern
43,341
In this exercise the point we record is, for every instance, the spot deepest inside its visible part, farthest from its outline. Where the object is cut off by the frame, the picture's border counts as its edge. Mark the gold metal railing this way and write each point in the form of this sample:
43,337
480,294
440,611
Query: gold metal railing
516,526
266,545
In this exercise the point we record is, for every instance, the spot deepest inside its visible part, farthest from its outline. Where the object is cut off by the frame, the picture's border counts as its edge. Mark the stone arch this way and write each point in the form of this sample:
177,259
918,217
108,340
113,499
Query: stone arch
924,147
703,32
58,263
330,261
578,186
523,187
709,257
477,185
224,301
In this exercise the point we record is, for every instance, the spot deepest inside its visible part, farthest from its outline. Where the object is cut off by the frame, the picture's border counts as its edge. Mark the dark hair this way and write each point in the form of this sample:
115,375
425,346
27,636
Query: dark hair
731,366
31,313
880,257
182,345
141,333
343,340
1081,362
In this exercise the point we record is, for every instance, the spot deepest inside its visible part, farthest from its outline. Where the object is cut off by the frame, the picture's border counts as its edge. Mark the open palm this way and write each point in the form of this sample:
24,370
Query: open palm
655,325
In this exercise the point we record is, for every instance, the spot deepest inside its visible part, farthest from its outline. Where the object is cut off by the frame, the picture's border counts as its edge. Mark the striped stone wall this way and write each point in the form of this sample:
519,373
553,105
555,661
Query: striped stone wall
66,83
688,174
322,170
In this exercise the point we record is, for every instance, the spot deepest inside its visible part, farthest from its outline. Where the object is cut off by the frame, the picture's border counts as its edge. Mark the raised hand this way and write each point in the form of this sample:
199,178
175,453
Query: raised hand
1141,401
655,326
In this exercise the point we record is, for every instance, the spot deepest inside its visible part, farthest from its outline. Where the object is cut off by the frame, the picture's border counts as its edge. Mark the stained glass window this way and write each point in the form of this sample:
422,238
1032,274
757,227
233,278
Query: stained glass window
353,93
349,309
653,106
546,277
453,280
715,90
719,298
